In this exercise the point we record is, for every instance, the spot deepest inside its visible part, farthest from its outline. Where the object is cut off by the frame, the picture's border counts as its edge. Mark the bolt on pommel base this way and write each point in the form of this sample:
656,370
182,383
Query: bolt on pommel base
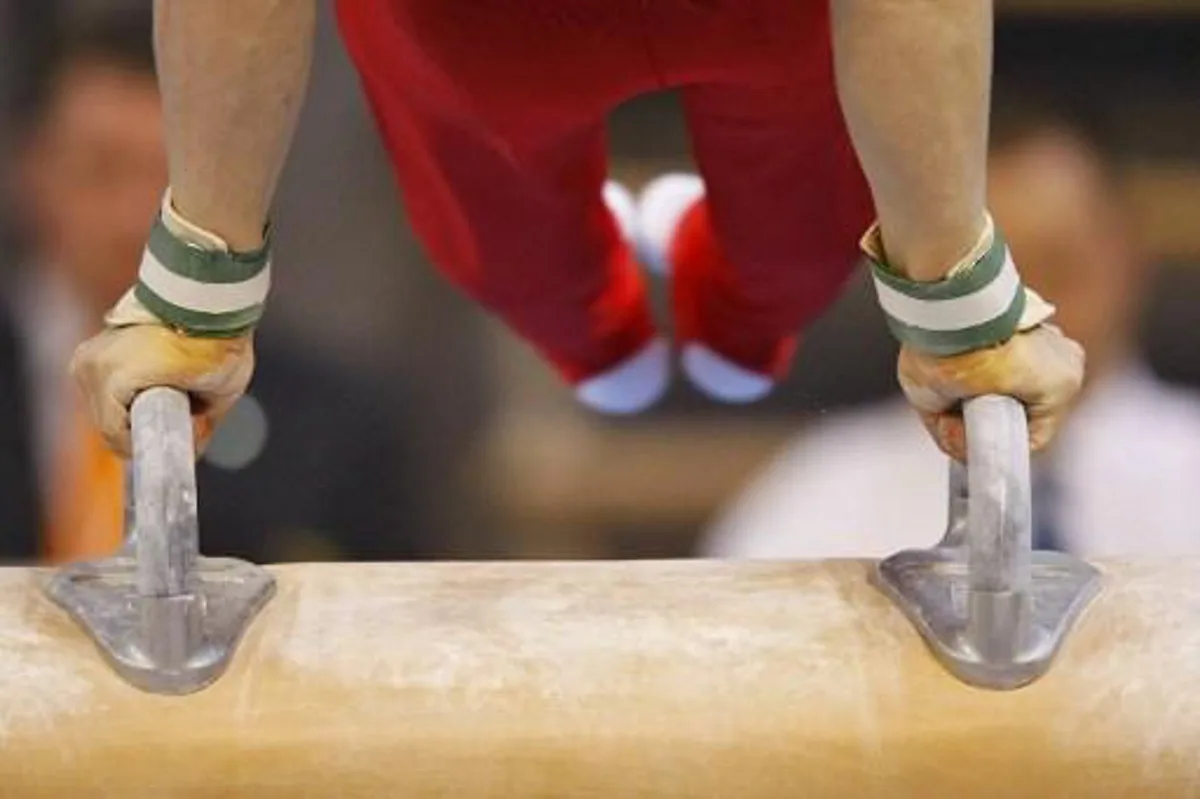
993,611
165,618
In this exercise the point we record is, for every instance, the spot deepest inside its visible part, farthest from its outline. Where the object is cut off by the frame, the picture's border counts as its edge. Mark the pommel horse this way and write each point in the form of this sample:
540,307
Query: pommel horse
975,669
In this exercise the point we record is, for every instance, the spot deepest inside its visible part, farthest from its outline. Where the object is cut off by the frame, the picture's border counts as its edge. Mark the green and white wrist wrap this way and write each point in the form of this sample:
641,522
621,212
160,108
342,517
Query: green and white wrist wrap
191,280
980,303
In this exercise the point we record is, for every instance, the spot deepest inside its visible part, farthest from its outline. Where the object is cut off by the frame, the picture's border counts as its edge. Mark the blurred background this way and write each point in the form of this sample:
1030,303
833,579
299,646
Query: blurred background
399,422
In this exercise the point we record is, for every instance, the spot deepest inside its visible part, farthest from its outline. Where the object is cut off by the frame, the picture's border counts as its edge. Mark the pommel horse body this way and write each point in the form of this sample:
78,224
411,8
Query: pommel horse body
972,670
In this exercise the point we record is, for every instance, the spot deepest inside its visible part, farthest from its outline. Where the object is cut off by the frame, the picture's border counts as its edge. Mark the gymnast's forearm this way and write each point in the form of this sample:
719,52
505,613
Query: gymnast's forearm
914,77
233,76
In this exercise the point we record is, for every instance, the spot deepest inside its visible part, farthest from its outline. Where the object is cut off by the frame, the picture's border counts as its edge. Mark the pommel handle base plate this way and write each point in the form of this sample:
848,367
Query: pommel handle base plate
932,588
164,644
165,618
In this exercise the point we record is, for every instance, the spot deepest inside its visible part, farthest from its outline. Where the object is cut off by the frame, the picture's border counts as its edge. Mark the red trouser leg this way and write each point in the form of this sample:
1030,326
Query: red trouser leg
775,240
515,218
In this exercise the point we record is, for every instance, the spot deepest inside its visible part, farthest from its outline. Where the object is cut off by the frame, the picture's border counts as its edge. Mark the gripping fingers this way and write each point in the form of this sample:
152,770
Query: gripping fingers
1044,422
109,416
949,432
112,420
112,368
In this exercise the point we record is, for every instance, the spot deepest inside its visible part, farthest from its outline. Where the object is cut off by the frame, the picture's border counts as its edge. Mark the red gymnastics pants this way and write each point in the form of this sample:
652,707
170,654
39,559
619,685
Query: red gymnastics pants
493,112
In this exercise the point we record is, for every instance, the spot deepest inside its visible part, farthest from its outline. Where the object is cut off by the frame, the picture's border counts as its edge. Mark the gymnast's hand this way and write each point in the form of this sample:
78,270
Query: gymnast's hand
1039,366
137,351
976,330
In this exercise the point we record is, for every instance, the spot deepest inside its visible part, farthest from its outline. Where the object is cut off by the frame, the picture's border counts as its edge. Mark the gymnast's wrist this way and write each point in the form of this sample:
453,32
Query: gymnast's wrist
193,281
980,302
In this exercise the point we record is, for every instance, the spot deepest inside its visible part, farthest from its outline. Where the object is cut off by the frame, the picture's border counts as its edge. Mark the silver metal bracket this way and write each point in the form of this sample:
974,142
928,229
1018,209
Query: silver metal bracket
992,610
167,619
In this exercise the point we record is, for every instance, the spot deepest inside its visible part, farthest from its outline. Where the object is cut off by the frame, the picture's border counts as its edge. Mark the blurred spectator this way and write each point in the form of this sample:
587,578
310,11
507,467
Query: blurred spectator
1121,477
312,464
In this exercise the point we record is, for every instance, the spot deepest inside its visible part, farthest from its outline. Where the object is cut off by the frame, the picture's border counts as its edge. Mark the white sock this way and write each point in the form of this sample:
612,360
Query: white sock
631,386
721,379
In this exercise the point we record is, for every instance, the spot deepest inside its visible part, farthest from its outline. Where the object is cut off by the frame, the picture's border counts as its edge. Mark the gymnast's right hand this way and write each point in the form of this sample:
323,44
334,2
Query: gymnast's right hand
137,351
978,330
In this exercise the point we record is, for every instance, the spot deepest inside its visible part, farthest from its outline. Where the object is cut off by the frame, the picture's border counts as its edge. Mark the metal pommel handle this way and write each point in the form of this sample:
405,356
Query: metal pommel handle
166,618
999,524
991,609
167,539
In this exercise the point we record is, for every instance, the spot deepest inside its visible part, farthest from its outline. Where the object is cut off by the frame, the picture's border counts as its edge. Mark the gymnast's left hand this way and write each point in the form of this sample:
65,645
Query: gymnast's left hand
136,351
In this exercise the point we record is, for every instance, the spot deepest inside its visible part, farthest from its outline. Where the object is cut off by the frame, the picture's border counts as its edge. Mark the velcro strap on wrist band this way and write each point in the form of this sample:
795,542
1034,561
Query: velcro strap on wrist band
979,304
203,291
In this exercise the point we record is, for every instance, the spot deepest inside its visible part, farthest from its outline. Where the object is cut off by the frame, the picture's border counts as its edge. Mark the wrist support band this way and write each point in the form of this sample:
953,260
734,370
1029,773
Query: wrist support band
980,303
191,280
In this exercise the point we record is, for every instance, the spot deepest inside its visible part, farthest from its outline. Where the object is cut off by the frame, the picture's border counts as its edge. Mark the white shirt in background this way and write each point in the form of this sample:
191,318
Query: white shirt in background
869,482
